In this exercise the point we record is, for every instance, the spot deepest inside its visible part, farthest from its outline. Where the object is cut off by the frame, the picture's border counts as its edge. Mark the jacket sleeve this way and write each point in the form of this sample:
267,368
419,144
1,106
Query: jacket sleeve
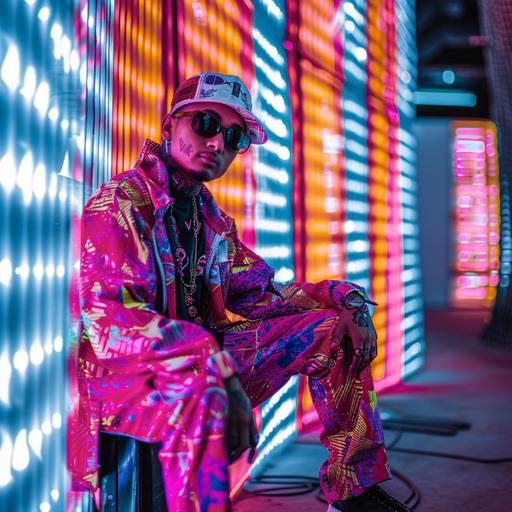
253,294
117,297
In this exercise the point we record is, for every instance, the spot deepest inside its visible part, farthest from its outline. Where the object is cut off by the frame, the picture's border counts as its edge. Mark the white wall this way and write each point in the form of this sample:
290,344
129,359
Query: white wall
434,204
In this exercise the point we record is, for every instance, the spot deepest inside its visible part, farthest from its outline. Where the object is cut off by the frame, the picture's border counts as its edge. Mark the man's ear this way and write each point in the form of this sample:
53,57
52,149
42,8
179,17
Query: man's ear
167,126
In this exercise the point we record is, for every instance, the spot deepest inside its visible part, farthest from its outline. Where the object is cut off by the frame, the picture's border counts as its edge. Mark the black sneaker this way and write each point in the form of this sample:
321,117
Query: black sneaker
374,499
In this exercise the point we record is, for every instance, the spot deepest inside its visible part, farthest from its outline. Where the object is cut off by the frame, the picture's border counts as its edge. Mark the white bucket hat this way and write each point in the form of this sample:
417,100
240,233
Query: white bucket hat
218,88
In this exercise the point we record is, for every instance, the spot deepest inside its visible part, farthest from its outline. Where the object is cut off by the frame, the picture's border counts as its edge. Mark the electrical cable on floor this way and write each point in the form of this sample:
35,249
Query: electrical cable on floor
285,485
451,456
295,485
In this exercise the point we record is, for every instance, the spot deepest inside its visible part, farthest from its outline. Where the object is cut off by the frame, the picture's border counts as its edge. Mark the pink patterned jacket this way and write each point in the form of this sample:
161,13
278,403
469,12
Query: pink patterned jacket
123,339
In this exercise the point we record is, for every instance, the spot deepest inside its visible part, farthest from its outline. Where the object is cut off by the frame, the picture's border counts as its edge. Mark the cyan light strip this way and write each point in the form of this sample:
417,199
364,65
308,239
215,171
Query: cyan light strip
444,98
274,215
273,164
413,328
40,101
355,118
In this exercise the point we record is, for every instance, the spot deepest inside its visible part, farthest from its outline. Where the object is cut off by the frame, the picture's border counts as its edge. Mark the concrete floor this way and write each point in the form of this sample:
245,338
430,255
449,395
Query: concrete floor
462,380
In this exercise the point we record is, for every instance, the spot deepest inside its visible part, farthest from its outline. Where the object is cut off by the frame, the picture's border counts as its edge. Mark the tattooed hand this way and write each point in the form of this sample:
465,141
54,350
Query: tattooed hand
241,432
355,334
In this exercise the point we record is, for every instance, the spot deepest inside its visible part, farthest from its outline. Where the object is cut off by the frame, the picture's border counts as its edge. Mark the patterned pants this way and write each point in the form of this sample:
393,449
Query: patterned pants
189,415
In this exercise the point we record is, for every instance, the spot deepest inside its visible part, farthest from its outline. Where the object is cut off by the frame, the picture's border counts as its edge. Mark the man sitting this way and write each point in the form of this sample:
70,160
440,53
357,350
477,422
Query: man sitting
183,329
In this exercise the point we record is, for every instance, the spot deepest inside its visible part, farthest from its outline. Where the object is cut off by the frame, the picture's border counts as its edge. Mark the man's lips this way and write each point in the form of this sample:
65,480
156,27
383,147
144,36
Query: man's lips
209,158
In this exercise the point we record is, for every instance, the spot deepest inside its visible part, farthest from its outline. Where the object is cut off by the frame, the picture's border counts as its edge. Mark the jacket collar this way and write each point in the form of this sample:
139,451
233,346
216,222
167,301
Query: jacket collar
152,169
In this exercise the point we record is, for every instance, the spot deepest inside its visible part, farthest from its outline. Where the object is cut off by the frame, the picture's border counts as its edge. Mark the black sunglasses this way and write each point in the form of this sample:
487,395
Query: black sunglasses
207,124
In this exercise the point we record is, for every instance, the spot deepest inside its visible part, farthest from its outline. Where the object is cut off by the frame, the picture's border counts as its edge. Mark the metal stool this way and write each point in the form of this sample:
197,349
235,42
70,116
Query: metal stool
130,475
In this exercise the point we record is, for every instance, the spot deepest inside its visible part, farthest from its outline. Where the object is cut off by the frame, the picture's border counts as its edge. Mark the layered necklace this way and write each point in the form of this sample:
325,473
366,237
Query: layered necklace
196,264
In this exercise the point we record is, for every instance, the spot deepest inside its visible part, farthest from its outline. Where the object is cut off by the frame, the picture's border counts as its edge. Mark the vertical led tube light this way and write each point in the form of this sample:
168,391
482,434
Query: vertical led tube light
413,328
383,192
40,189
273,160
274,224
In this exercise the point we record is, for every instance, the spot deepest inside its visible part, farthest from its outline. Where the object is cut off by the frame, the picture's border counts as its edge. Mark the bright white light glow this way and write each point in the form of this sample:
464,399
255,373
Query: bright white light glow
57,344
53,114
360,54
57,420
29,83
358,246
60,270
271,199
349,26
273,9
5,271
42,97
20,360
64,124
55,494
35,440
283,412
39,181
23,271
269,48
36,353
5,459
279,175
284,275
5,377
48,346
283,153
46,427
273,74
10,72
20,454
38,271
52,188
8,174
24,180
50,270
44,13
354,267
56,32
45,507
274,251
276,397
273,226
74,60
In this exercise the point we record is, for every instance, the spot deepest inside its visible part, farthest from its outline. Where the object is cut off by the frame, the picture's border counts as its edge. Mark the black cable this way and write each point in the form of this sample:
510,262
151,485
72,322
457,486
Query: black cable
413,500
451,456
282,485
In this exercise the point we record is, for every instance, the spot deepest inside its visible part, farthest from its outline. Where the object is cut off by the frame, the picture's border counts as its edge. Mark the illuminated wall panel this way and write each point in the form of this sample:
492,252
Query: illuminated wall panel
273,208
217,36
138,97
41,94
322,141
412,302
476,213
273,161
247,40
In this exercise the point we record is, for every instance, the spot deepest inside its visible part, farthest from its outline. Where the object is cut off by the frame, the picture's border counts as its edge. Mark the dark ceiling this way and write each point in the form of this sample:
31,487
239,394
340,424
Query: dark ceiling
450,40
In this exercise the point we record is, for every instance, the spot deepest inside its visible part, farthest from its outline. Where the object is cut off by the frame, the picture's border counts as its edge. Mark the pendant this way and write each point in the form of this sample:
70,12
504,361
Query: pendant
192,311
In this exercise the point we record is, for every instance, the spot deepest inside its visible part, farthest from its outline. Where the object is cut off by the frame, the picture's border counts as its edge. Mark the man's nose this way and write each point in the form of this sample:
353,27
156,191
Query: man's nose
216,142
